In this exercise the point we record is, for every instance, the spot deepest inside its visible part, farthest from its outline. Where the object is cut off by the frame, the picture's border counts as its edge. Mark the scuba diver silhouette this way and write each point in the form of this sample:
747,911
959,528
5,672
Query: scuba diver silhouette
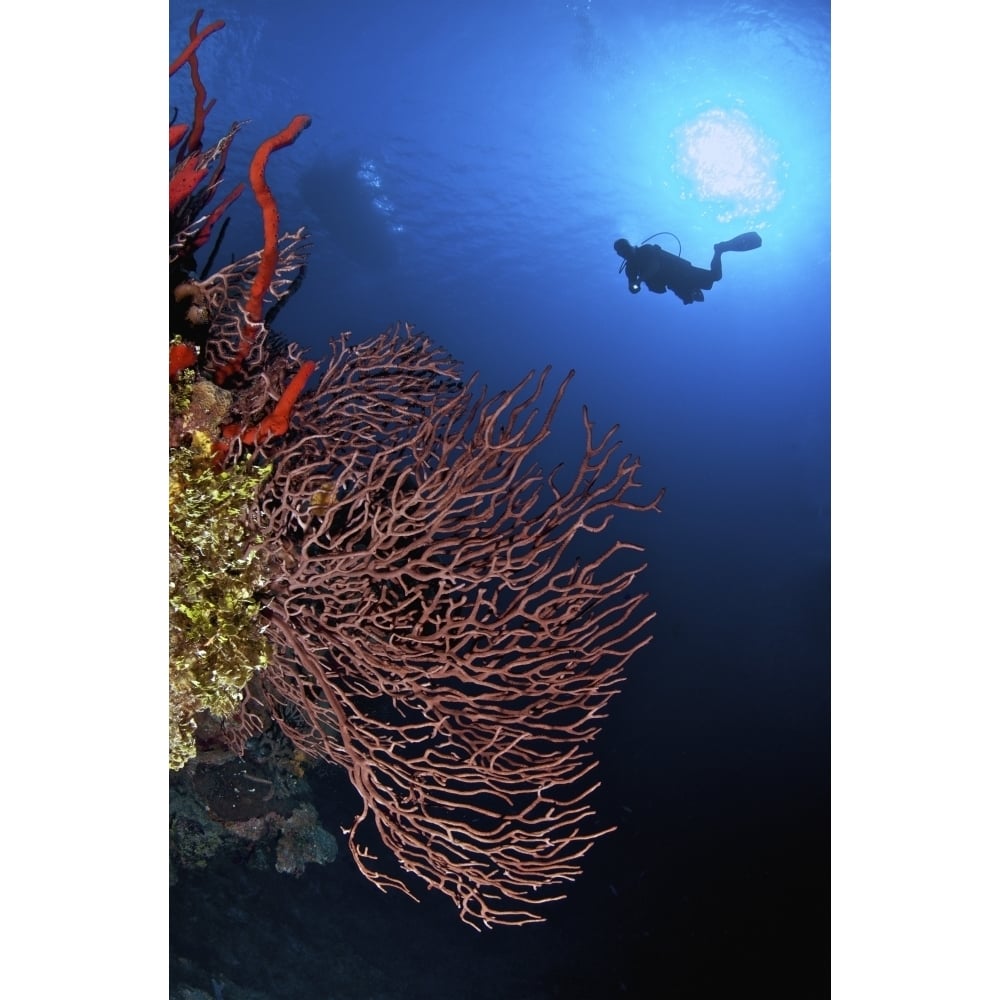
661,270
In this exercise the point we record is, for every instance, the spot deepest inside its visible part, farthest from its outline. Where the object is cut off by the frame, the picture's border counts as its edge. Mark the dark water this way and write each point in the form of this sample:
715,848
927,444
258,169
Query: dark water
468,168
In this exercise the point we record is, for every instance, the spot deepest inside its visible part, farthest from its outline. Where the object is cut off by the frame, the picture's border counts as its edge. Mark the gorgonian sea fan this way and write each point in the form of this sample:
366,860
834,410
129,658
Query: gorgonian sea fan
432,631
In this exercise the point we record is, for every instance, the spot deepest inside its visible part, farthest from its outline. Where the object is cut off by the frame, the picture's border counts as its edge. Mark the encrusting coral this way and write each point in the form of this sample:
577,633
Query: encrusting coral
216,578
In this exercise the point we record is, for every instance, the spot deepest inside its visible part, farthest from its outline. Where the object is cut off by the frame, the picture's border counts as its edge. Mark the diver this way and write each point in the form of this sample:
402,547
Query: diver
661,270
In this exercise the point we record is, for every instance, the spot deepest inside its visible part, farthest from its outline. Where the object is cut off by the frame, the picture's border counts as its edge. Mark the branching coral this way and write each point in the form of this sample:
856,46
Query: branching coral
435,631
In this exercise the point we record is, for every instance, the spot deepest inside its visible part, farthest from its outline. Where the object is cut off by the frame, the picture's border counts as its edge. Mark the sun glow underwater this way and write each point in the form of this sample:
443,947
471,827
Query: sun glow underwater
731,164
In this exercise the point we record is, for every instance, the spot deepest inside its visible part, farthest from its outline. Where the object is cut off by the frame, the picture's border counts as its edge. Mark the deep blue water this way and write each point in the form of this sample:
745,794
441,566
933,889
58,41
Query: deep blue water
468,167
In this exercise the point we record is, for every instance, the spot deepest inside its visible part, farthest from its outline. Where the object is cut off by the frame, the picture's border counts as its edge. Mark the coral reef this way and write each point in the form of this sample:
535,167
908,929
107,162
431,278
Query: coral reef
395,582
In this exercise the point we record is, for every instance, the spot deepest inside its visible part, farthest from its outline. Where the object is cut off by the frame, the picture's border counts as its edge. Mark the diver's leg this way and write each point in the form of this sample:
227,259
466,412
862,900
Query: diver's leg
716,266
705,279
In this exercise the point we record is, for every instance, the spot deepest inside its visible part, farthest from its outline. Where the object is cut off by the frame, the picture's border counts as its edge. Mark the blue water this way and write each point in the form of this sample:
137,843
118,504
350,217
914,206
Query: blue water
468,167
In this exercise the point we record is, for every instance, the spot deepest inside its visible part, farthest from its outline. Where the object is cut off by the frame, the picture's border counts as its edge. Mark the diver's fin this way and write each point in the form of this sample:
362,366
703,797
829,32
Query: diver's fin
745,241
